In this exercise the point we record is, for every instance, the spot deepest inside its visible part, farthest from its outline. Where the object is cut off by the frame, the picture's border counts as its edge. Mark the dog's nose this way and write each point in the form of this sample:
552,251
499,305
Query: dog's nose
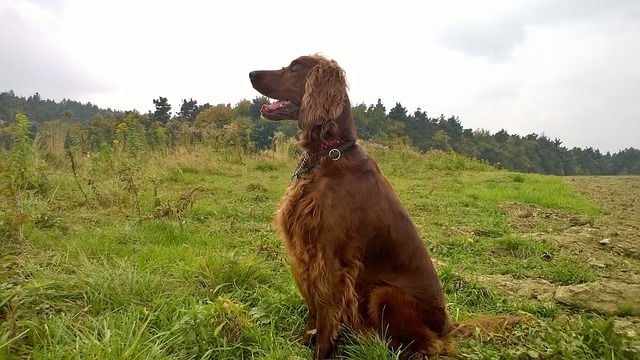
252,75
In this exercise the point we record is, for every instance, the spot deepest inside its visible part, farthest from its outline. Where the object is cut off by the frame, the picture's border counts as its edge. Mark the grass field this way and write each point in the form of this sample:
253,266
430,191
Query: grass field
173,256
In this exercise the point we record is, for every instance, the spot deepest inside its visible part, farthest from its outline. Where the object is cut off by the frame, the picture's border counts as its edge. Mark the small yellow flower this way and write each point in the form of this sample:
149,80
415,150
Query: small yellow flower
470,240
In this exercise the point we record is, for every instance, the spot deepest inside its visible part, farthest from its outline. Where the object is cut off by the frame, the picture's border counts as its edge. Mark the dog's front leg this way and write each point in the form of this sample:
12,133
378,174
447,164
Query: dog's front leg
328,329
308,291
336,304
309,336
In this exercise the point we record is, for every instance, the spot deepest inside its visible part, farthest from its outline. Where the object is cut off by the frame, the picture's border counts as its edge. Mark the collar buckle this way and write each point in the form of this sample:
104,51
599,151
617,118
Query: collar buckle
335,154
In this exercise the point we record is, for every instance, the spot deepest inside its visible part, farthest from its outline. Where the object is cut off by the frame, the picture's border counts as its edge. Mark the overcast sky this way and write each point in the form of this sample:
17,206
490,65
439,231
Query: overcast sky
569,69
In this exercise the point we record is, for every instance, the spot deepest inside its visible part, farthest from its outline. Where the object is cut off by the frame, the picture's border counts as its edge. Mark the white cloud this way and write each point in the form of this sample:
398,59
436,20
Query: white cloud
34,59
567,69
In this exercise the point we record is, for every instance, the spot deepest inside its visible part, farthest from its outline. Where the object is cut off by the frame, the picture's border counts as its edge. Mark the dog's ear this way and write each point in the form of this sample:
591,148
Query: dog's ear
324,95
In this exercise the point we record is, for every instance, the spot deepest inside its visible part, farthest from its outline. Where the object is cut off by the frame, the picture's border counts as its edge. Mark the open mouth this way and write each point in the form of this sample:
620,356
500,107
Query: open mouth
280,110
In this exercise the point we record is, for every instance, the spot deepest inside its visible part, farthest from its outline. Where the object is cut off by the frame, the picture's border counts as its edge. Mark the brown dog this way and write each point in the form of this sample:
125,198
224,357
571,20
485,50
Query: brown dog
356,256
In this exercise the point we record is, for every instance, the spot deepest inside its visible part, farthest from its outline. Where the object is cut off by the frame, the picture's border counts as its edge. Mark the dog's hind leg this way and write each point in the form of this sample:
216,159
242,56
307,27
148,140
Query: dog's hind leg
401,318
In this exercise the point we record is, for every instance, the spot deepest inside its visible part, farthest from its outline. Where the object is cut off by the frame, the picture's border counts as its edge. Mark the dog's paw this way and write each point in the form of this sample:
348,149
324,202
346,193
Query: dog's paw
308,338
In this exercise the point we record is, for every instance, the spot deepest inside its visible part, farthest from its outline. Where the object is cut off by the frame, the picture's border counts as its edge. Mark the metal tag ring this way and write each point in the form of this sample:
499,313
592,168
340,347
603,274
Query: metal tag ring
335,154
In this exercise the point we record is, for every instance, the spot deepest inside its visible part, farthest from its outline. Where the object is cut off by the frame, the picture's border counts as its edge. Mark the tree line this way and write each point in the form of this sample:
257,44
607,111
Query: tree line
89,128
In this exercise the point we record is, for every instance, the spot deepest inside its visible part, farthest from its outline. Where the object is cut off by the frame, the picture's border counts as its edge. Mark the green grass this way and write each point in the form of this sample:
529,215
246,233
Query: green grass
104,280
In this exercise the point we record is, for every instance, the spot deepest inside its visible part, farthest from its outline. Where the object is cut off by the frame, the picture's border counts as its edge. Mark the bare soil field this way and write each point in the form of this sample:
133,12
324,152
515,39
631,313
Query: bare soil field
610,242
619,198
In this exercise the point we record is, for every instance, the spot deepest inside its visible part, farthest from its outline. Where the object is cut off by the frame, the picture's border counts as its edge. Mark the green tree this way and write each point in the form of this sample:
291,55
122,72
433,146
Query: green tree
397,122
188,110
517,159
587,161
489,149
626,162
502,137
158,136
358,113
467,144
372,124
216,116
68,114
454,129
163,110
550,158
532,152
398,113
237,134
242,109
101,130
420,129
441,141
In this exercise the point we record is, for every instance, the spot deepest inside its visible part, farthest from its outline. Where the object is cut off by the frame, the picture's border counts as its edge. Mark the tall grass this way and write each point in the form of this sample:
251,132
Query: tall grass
21,177
52,139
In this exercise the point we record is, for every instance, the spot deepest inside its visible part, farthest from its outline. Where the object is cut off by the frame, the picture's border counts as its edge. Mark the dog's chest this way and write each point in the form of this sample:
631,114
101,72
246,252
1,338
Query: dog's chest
298,219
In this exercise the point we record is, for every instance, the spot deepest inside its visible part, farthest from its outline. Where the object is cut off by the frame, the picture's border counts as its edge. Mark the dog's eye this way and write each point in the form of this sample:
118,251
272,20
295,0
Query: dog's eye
293,68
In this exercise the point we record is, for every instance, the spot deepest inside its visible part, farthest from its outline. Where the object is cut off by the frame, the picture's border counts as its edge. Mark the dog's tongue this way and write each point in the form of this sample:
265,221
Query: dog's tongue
272,107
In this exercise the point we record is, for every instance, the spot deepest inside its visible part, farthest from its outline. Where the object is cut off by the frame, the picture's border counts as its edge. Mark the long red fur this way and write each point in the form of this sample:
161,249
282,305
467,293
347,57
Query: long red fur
355,253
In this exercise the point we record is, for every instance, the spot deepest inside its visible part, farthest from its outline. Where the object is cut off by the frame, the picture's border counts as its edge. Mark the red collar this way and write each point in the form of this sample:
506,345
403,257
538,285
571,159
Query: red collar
331,144
331,149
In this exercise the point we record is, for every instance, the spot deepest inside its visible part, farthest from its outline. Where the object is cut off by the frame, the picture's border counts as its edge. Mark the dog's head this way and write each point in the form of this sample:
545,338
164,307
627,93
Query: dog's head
312,90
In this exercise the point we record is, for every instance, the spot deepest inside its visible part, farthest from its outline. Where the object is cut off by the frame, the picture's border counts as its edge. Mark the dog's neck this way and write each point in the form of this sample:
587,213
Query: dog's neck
326,142
332,149
318,138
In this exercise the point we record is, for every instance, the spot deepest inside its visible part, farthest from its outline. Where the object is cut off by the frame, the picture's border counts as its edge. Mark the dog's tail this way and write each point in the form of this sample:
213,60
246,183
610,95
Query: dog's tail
485,324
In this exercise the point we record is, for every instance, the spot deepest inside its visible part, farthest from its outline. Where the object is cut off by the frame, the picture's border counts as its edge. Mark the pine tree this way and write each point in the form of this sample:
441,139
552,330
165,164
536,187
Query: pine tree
163,110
